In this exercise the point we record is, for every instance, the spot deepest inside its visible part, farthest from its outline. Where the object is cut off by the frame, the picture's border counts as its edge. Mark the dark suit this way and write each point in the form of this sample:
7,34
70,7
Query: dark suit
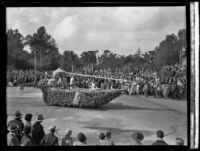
37,133
20,125
159,142
49,140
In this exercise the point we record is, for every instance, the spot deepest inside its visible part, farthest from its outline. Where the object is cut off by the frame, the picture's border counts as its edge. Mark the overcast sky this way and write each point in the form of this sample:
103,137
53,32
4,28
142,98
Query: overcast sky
119,29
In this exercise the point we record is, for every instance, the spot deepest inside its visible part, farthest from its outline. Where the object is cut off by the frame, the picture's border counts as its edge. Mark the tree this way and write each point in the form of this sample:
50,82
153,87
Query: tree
89,59
43,46
16,56
69,61
168,52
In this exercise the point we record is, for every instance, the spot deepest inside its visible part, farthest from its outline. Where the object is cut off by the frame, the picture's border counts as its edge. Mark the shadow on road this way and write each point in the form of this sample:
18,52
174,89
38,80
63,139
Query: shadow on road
118,131
121,106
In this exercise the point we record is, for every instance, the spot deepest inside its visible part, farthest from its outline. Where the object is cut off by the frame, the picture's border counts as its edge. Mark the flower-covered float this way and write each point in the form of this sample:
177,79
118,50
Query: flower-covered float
76,97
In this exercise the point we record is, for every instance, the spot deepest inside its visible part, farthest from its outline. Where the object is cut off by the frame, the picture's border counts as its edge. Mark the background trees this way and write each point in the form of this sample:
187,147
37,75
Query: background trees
44,51
45,55
168,51
17,58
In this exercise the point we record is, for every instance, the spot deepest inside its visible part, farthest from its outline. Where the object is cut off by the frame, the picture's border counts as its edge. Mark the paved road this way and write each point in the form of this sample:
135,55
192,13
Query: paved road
123,116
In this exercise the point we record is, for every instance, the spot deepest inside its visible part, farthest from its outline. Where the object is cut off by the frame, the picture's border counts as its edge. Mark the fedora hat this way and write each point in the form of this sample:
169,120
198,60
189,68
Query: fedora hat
18,114
40,117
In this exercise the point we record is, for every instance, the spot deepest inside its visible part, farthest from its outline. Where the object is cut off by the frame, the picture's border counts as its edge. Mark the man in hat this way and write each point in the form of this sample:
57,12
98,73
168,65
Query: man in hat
38,130
17,120
50,139
12,139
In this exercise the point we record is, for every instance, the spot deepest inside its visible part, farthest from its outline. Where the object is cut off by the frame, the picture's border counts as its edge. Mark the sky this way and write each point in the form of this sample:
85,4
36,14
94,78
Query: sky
121,30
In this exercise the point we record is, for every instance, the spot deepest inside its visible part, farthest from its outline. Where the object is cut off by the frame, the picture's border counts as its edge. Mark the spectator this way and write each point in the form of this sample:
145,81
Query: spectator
27,139
12,139
108,140
179,141
67,139
28,118
81,140
101,141
137,138
138,89
160,136
50,139
17,120
38,130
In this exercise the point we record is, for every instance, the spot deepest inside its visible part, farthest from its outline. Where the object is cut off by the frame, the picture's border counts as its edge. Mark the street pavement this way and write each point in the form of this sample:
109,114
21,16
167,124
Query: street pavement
122,116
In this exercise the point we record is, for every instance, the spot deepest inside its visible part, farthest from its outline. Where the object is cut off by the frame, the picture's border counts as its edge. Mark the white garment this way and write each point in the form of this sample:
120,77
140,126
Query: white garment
72,81
138,86
93,86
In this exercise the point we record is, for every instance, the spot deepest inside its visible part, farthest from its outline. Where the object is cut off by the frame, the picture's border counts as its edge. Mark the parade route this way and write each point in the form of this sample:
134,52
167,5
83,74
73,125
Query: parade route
123,116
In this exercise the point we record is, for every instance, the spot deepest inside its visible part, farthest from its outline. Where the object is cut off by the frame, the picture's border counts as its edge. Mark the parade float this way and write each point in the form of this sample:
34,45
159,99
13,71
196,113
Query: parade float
75,97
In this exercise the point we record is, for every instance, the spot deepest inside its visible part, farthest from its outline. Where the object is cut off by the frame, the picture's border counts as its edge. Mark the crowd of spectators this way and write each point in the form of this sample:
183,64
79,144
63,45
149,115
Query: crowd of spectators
169,82
27,134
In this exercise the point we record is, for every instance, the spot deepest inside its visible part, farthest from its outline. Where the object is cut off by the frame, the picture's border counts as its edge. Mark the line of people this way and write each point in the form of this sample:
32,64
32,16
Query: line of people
170,82
26,134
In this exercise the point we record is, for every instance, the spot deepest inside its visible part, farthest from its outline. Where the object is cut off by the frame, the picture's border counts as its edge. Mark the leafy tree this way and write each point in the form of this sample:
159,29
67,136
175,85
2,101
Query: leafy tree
43,46
89,59
168,52
69,61
16,56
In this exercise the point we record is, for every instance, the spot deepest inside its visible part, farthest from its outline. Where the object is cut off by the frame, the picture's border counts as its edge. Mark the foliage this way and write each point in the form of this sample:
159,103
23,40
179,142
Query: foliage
168,52
16,57
44,48
44,53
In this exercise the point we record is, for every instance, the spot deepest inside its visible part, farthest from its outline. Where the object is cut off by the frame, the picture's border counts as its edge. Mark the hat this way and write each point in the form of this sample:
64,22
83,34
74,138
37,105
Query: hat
18,114
12,127
40,117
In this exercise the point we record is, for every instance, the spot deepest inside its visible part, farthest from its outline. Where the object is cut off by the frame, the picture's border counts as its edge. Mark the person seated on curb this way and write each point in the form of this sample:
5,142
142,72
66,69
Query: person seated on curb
50,139
27,139
17,120
179,141
101,141
160,136
108,140
137,138
12,139
67,139
81,140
